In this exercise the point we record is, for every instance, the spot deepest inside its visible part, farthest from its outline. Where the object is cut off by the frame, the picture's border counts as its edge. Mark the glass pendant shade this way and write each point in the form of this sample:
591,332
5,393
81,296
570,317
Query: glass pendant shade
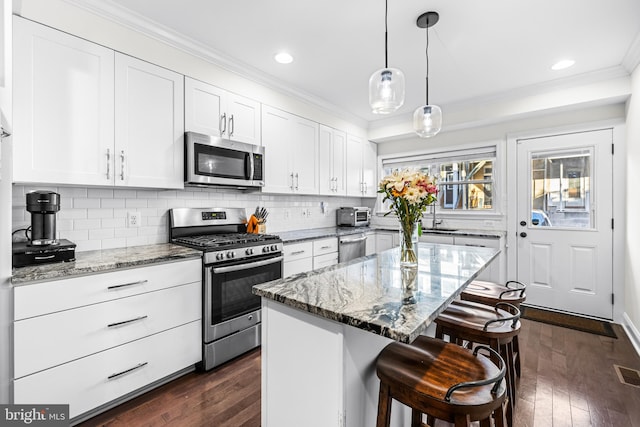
386,90
427,120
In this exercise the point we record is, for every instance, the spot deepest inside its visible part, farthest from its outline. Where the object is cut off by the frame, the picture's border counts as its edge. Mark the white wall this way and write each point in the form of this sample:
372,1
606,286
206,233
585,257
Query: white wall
632,243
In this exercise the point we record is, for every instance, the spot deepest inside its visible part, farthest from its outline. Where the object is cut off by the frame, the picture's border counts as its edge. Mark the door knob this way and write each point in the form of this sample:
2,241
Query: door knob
523,234
523,223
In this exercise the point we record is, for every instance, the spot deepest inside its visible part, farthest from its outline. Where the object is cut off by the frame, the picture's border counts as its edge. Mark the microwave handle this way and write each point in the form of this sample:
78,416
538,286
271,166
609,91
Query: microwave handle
248,166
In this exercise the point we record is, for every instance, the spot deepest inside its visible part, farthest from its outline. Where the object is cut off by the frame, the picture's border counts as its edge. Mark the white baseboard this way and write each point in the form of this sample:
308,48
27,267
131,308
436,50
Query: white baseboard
632,332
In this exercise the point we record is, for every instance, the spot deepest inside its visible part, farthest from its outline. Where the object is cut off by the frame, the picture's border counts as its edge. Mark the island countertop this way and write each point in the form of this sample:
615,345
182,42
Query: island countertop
367,293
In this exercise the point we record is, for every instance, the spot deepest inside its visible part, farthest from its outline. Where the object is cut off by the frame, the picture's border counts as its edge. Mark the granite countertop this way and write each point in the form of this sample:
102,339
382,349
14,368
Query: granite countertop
319,233
367,292
90,262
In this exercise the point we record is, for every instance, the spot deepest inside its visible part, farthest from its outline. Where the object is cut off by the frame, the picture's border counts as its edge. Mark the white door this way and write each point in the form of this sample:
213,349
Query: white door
149,125
304,152
62,107
243,123
355,185
276,140
203,107
565,236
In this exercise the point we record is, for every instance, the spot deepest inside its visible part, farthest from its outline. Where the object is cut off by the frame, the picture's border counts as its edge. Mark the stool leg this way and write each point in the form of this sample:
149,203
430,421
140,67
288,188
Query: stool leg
384,406
431,420
462,421
416,418
516,350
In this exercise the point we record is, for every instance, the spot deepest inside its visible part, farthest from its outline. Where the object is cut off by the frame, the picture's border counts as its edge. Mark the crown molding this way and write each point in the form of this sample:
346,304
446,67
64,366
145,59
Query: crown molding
113,12
632,58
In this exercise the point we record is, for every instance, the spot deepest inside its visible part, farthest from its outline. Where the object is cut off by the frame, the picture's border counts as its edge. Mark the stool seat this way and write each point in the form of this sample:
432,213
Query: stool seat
442,380
490,293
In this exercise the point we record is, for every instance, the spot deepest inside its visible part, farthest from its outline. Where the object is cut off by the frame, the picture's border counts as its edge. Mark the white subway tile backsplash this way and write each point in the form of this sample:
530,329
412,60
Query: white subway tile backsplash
96,218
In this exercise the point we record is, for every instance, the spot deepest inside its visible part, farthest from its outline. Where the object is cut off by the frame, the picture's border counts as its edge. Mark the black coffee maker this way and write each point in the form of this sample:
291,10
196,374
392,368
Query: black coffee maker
43,206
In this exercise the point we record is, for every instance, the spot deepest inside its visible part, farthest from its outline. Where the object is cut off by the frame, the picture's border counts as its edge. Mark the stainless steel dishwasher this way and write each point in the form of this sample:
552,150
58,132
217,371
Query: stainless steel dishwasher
352,246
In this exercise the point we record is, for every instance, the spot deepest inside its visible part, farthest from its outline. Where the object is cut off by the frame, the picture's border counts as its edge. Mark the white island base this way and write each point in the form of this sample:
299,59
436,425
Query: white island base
318,372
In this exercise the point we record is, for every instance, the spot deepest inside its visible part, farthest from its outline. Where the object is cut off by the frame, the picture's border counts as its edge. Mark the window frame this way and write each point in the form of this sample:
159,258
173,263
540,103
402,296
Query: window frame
441,155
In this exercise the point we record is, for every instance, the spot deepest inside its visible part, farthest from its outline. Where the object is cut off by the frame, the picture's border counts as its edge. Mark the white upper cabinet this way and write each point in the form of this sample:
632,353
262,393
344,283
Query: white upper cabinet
149,125
291,152
214,111
332,154
361,167
84,117
63,108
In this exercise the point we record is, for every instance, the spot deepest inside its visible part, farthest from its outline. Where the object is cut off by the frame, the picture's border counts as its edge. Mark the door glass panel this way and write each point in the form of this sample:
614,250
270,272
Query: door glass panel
561,189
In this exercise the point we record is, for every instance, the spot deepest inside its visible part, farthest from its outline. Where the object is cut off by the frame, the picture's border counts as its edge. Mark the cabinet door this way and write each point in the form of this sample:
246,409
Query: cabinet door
354,166
149,125
338,156
243,119
325,161
493,271
63,108
369,168
384,241
202,107
276,141
304,151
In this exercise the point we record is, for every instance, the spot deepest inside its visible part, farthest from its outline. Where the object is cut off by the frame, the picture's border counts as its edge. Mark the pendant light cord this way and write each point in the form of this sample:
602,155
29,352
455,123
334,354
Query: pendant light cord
427,55
386,53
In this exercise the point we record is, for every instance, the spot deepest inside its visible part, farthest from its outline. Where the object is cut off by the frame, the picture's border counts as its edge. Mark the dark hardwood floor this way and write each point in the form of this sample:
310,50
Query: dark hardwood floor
568,379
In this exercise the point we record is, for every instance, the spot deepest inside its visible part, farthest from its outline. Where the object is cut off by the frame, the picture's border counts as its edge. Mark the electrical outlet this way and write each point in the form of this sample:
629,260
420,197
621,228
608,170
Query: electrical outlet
134,219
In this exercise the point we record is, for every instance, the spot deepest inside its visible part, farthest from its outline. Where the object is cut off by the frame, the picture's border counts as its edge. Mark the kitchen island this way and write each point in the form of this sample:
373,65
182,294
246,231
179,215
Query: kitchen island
322,331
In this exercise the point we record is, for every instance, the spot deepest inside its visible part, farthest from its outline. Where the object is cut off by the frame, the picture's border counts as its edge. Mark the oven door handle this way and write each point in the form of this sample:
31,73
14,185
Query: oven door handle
232,268
359,239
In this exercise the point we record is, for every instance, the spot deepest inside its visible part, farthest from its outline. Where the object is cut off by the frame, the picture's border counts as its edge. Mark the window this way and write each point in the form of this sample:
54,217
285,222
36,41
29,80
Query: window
466,178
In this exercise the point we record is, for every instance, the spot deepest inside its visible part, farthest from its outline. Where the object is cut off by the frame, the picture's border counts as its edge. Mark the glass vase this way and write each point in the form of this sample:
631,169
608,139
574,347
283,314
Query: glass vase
409,244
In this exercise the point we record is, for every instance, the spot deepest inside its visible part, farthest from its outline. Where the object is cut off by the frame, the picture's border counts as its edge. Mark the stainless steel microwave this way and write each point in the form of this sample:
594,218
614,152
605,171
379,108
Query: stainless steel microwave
211,160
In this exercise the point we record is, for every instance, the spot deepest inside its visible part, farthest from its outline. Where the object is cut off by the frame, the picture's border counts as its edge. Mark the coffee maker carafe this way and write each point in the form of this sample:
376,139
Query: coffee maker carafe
43,206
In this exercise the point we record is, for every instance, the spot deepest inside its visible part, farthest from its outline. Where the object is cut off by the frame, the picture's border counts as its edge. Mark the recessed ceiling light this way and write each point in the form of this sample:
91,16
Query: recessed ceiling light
283,58
561,65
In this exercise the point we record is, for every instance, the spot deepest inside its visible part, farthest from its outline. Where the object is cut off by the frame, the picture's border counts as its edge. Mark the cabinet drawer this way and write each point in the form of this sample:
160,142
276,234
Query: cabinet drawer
297,266
57,295
92,381
296,251
325,260
325,246
71,334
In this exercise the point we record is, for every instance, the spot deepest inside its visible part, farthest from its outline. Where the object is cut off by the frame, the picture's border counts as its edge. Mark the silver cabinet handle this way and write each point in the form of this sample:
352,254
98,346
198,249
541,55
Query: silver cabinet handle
126,322
365,187
324,247
223,121
122,165
139,282
231,126
108,163
297,252
292,187
4,133
119,374
297,180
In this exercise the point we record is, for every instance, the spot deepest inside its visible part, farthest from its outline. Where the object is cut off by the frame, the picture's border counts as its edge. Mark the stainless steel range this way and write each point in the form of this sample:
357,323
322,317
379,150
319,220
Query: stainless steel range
233,261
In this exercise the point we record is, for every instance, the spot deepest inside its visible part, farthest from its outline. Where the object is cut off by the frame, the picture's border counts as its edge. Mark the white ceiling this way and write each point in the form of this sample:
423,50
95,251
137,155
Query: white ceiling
478,49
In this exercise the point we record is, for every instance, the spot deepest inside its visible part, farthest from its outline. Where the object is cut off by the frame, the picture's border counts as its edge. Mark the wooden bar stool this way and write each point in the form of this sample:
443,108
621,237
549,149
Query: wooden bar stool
474,323
442,380
491,293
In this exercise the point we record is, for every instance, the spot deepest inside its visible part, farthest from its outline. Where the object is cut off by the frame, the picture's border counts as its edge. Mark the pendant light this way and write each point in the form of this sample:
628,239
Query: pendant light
386,86
427,119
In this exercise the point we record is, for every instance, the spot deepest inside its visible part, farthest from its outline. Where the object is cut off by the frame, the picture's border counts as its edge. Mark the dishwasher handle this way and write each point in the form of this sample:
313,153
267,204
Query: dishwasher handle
347,241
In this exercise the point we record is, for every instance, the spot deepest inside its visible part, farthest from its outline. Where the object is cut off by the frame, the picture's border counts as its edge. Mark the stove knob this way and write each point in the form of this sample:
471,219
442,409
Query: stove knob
265,249
274,247
249,251
220,256
231,254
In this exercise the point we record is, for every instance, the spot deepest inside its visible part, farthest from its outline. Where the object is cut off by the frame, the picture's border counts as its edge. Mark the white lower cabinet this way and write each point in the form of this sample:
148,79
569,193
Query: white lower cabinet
97,379
89,340
325,252
386,240
298,258
493,272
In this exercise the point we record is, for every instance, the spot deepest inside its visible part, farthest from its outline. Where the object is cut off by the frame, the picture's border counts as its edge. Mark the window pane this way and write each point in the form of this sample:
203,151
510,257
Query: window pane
560,189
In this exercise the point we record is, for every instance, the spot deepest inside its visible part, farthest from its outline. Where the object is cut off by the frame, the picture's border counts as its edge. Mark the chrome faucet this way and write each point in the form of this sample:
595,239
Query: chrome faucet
434,220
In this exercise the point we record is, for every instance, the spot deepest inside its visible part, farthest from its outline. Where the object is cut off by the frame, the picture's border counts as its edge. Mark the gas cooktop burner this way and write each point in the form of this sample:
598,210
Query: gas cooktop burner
220,240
